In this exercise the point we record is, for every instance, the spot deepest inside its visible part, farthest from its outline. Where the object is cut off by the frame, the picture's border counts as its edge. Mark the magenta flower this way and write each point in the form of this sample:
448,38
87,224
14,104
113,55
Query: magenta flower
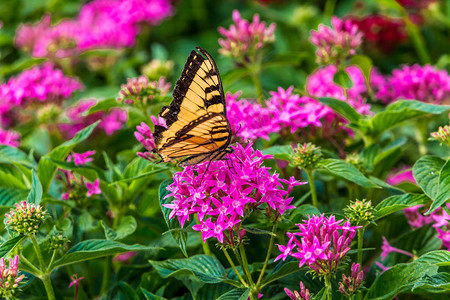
350,284
42,83
139,89
27,34
294,295
323,243
422,83
75,281
398,176
145,136
336,44
9,279
81,158
113,121
227,193
415,218
124,257
9,137
93,188
386,249
244,39
444,236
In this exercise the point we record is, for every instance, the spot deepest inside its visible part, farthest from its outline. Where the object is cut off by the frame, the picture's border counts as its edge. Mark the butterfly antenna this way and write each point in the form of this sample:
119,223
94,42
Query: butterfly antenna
207,169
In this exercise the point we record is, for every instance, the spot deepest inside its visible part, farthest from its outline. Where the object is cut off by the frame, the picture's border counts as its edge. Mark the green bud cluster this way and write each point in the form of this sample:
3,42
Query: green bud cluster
48,113
26,218
355,160
442,135
360,212
157,68
307,156
57,241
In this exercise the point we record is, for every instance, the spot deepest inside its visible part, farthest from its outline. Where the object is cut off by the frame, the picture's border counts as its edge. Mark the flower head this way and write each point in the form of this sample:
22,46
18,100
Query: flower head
145,136
81,158
306,156
360,212
93,188
156,69
244,39
26,218
442,135
57,241
350,284
398,176
9,137
294,295
335,44
386,249
9,277
322,244
141,90
223,193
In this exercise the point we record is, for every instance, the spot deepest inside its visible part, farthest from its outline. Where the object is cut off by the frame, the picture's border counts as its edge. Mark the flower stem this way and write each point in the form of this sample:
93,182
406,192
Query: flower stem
35,271
417,40
106,280
329,8
52,259
312,186
257,83
269,250
234,267
245,266
360,244
45,277
328,286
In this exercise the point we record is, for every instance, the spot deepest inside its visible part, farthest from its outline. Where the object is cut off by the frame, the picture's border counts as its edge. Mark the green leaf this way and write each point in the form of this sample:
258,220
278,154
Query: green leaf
236,294
342,108
20,65
104,105
279,152
347,171
342,79
437,283
368,156
206,268
439,258
11,177
10,154
179,235
151,296
399,202
47,169
91,249
444,188
126,227
89,172
35,195
213,291
389,149
364,63
400,111
7,246
398,279
10,196
426,173
283,269
115,172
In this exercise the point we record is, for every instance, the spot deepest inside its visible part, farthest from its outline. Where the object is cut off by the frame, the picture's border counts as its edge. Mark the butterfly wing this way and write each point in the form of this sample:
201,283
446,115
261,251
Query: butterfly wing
196,121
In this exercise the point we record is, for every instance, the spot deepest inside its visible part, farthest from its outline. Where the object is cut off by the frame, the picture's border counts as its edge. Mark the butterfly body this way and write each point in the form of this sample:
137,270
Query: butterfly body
196,124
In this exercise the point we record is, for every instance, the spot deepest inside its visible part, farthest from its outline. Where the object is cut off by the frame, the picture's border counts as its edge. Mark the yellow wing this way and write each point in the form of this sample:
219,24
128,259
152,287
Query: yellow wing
196,121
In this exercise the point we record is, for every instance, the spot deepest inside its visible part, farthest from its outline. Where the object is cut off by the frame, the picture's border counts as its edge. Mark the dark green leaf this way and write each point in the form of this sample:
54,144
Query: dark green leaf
279,152
438,257
126,227
437,283
444,188
236,294
10,196
91,249
7,246
151,296
10,154
35,195
206,268
342,79
346,171
342,108
104,105
426,173
399,202
364,63
283,269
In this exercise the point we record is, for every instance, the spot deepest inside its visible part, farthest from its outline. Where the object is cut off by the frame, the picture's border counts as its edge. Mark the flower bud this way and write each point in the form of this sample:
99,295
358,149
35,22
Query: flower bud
307,156
25,218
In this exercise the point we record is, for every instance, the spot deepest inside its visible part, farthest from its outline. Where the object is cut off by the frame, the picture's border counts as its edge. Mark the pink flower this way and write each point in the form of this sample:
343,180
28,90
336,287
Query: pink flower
81,158
350,284
145,136
27,34
303,295
223,193
243,39
9,279
93,188
386,249
9,137
323,243
338,43
422,83
42,83
398,176
415,218
75,281
113,121
124,257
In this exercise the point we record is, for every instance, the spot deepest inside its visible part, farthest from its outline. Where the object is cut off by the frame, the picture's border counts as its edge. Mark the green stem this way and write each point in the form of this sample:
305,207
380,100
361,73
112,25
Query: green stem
328,286
234,267
245,265
36,272
269,251
257,83
417,40
360,245
205,244
52,260
45,277
106,280
312,186
421,134
329,8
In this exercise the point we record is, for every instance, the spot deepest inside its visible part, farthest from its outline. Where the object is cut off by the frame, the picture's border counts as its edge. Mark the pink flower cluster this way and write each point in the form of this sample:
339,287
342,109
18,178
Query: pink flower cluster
100,24
223,193
336,44
9,279
9,137
139,89
78,118
38,84
145,136
398,176
81,158
350,284
294,295
248,119
422,83
243,39
323,244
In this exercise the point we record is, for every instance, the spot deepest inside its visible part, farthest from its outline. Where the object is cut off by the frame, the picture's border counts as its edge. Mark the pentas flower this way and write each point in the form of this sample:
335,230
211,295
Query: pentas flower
360,212
350,284
124,257
323,243
380,31
27,34
386,249
224,193
57,241
26,218
248,119
93,188
81,158
9,137
43,83
422,83
294,295
306,156
156,69
335,44
113,120
403,174
75,280
141,90
442,135
243,39
9,277
145,136
415,218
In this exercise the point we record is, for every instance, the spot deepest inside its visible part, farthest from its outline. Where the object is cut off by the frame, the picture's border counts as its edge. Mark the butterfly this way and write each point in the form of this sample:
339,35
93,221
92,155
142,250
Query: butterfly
197,128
